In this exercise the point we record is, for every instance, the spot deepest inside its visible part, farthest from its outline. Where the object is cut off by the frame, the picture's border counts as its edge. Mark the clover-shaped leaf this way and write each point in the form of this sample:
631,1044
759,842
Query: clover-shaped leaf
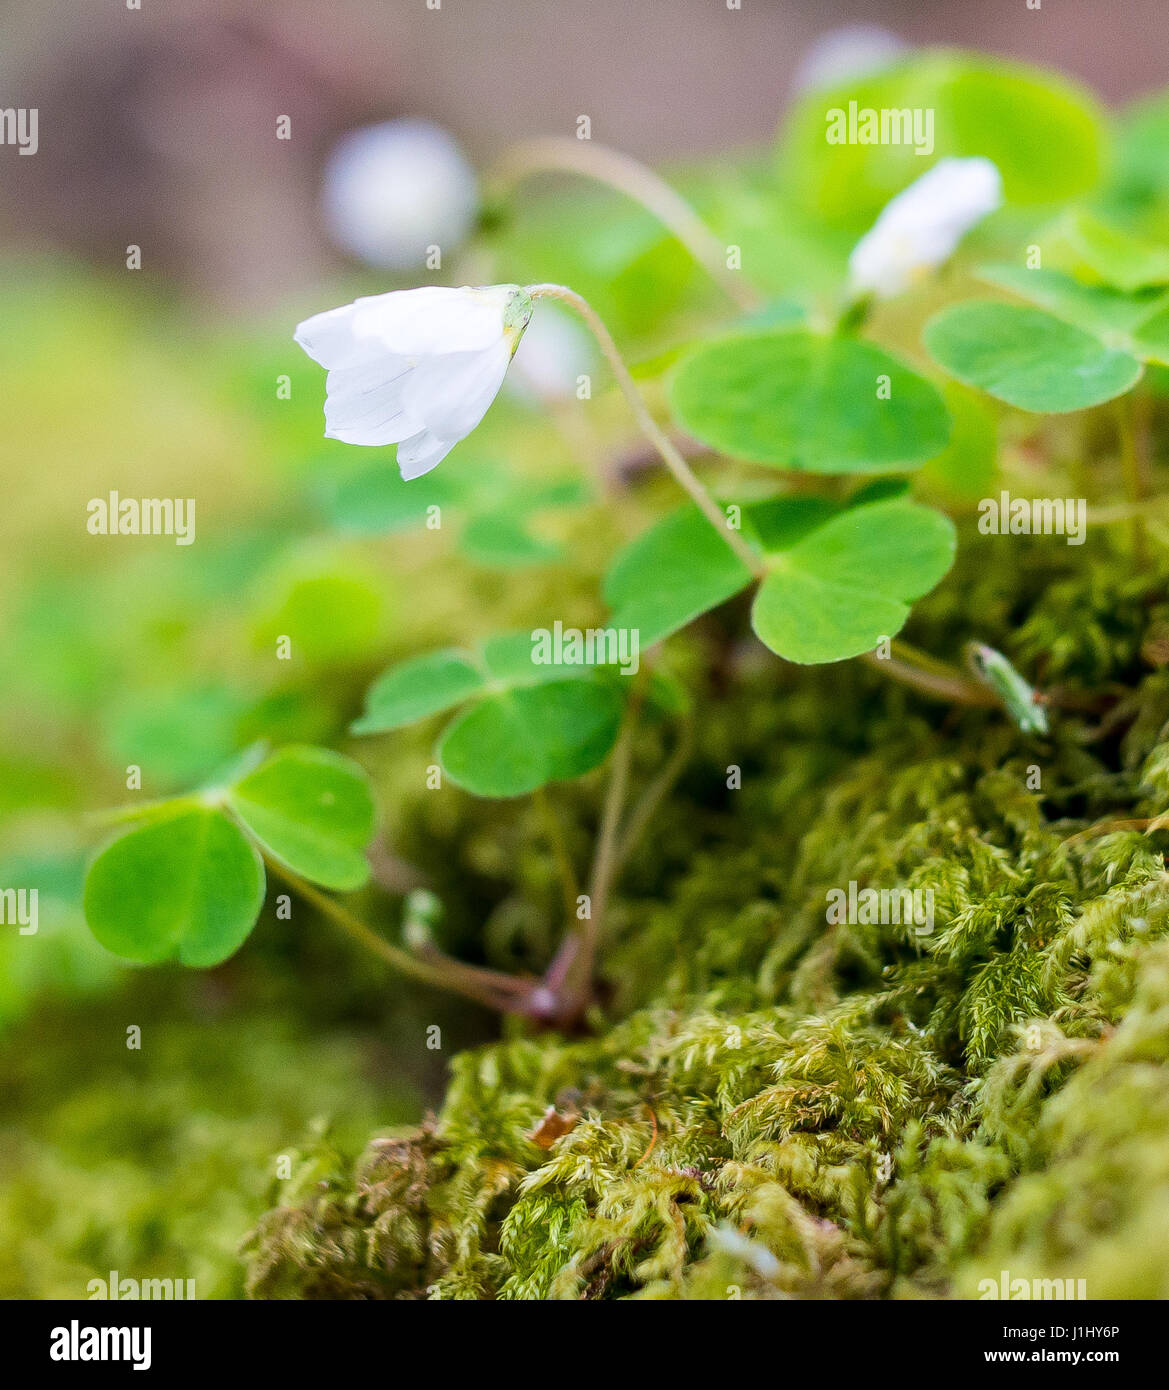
186,886
839,577
187,880
1136,322
672,573
840,586
514,741
1027,357
529,722
806,401
414,689
312,810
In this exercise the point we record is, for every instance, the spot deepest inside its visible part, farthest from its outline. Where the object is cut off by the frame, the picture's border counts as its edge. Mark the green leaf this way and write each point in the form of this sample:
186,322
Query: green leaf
845,584
1095,308
803,401
312,810
507,659
188,887
1044,134
517,740
1137,323
1119,259
671,574
1028,358
529,727
417,688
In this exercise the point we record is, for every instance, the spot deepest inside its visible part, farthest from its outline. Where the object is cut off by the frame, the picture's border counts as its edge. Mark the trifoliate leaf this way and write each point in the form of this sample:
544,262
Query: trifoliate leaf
513,742
414,689
311,809
186,887
842,586
671,574
525,727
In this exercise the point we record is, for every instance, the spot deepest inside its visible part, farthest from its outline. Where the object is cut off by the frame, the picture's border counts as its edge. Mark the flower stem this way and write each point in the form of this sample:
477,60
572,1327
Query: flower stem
628,176
653,796
554,833
506,993
649,426
569,976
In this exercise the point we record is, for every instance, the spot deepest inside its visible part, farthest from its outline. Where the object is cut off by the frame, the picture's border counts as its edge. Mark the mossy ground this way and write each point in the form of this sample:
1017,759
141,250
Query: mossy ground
766,1104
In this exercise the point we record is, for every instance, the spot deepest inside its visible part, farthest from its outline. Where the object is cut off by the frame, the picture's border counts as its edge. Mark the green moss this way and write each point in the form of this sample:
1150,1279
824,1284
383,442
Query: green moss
155,1161
768,1104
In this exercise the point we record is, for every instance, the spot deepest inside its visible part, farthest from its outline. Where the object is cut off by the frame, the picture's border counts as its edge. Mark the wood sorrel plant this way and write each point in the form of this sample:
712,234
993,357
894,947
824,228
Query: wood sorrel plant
795,393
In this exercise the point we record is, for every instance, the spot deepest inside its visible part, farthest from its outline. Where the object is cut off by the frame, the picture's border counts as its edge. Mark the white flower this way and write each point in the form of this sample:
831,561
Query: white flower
922,225
416,368
393,190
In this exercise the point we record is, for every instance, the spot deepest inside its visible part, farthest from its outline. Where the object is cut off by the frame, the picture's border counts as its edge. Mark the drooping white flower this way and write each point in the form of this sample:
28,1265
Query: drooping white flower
920,228
416,368
393,190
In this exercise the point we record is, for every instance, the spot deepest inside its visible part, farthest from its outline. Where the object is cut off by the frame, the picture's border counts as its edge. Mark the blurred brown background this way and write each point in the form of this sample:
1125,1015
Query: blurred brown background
154,121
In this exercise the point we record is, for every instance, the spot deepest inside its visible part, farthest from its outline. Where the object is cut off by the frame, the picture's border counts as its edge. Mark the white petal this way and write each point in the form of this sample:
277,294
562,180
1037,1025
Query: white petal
451,393
921,227
409,322
412,362
366,405
434,319
331,340
421,453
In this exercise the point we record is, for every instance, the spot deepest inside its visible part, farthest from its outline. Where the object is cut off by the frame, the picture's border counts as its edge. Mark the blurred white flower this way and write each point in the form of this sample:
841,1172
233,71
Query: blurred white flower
392,190
555,351
416,368
852,50
919,228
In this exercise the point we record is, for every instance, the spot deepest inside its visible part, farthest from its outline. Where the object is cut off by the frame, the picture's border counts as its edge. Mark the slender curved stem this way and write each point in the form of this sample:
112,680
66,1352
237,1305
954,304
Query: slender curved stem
569,975
649,426
488,987
555,154
554,833
653,796
930,676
